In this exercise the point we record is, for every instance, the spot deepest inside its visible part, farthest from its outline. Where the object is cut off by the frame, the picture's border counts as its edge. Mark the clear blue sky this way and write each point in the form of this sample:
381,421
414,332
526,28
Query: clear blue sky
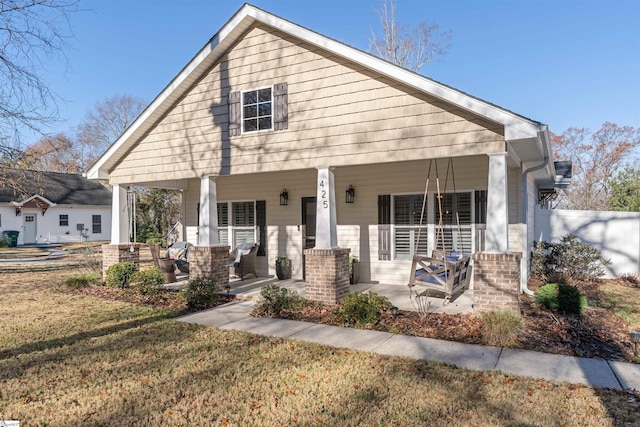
561,62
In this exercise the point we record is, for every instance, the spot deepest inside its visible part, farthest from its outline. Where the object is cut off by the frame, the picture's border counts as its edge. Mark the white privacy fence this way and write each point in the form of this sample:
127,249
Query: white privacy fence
616,234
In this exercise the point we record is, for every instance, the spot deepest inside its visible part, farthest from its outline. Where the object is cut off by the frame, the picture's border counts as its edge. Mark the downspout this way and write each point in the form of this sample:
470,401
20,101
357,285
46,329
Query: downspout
525,195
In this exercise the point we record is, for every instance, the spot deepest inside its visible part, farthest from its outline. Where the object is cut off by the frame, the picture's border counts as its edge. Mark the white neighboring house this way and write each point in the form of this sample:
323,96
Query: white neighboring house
52,207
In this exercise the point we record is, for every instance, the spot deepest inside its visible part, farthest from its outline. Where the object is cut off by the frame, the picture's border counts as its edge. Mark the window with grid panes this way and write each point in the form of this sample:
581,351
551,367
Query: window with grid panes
64,220
96,222
257,110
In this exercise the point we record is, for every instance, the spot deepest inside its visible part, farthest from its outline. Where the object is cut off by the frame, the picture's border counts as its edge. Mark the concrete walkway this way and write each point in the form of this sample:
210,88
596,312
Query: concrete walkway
593,372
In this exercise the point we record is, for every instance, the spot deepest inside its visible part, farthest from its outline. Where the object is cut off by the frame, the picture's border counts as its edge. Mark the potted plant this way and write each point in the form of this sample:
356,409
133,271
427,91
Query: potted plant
354,270
283,268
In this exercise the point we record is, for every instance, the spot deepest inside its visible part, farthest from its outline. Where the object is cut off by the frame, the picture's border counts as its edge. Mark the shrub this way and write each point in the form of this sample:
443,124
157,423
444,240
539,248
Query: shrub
118,275
538,260
3,243
275,299
572,258
500,328
82,280
201,292
362,309
561,297
147,281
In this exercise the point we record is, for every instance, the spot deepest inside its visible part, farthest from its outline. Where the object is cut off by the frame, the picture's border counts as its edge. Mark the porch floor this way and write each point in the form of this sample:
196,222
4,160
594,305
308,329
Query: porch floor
399,295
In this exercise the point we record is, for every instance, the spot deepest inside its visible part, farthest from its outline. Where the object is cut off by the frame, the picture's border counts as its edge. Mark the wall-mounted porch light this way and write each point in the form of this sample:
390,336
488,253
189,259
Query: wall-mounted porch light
284,198
350,194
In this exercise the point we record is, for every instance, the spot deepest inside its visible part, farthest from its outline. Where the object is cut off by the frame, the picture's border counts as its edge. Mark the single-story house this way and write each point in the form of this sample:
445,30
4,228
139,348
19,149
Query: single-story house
282,136
52,207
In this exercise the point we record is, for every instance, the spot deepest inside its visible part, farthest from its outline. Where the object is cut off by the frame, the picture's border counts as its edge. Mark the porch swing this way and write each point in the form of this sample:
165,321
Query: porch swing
447,271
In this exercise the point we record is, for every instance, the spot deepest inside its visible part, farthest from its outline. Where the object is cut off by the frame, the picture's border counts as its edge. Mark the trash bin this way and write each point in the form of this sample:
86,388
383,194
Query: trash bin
11,237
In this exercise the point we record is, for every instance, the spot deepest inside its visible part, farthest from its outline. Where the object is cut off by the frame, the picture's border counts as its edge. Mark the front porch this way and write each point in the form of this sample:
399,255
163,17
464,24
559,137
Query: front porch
399,295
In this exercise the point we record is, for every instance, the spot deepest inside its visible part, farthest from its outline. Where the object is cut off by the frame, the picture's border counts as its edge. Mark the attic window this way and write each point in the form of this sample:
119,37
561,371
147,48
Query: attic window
257,110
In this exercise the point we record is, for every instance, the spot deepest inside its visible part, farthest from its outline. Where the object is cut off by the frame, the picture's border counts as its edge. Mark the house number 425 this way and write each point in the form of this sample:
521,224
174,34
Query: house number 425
323,195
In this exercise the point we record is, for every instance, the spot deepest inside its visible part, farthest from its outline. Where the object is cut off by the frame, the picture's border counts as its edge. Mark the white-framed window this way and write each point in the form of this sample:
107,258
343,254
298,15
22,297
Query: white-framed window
237,222
257,110
64,220
96,223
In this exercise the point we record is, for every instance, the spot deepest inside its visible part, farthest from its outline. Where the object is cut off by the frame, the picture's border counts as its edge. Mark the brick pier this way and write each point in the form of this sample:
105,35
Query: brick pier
211,262
123,252
496,281
327,274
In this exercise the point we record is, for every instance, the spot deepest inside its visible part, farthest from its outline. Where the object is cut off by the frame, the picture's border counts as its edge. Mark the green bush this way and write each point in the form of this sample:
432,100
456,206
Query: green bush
82,280
568,259
561,297
500,328
147,281
201,293
362,309
3,243
538,260
118,275
275,299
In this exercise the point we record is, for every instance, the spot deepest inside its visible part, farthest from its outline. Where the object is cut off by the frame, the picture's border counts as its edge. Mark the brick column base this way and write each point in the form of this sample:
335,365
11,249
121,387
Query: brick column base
210,262
123,252
496,281
327,274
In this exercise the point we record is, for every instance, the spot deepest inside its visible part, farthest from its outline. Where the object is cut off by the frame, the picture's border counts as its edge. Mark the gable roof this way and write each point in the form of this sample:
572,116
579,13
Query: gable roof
54,188
517,128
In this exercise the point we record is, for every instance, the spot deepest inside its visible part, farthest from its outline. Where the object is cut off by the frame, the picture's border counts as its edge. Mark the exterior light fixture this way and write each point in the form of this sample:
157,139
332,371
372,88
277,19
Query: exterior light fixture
284,198
350,194
227,288
635,338
394,311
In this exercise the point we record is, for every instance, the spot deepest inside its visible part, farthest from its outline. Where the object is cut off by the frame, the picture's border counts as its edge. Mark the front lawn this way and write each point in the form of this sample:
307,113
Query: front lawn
75,359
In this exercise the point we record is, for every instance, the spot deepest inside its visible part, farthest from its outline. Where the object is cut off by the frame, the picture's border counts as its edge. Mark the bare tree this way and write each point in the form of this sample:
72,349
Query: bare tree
56,153
105,123
597,159
410,49
31,33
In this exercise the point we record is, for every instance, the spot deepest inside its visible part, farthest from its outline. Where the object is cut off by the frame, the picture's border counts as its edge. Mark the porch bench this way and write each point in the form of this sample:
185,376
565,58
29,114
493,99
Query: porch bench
448,273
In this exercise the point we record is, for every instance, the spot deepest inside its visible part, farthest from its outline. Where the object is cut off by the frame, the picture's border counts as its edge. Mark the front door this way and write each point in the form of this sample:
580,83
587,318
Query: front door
30,228
309,222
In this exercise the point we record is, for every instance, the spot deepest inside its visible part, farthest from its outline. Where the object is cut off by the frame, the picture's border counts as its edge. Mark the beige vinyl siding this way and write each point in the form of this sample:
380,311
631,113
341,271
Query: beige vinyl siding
339,115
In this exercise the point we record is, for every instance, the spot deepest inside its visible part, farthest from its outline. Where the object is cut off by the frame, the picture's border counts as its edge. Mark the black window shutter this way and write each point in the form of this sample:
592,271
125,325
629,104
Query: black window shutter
261,222
481,207
384,227
280,100
234,114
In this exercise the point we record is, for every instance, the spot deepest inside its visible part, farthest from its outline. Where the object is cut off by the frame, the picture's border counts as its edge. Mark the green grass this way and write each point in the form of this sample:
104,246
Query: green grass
623,301
71,359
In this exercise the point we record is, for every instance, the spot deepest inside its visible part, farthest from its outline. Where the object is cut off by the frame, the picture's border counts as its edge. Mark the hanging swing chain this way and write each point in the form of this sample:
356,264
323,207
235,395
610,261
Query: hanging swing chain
453,178
440,232
424,202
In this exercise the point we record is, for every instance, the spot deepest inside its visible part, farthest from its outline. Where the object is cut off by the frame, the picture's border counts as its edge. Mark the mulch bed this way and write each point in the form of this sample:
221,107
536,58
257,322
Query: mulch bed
597,333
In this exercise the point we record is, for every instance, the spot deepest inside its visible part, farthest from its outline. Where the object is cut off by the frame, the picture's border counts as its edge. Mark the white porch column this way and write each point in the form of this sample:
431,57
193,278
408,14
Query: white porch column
119,215
208,228
497,235
326,220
